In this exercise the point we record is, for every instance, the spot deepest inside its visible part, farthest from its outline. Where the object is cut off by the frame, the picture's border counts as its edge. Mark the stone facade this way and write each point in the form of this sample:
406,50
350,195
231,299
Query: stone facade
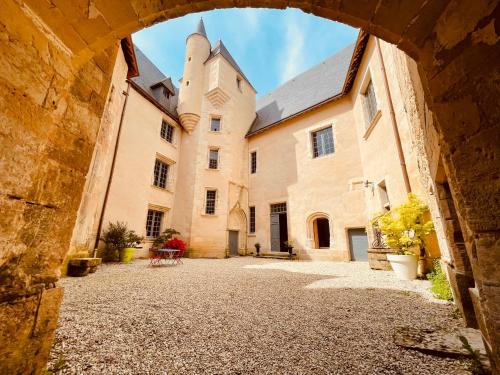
56,65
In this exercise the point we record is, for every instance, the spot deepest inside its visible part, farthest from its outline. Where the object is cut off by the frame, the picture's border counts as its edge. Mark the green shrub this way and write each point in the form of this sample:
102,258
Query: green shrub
440,286
118,237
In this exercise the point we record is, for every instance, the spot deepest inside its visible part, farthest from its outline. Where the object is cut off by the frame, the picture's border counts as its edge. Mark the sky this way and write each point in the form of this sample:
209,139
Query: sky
271,46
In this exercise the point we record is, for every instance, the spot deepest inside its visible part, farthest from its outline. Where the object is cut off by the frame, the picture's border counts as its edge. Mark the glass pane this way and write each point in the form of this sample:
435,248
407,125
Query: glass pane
215,124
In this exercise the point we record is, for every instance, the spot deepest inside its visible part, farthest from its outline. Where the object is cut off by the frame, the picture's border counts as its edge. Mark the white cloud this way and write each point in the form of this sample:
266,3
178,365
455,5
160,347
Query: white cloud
293,55
251,16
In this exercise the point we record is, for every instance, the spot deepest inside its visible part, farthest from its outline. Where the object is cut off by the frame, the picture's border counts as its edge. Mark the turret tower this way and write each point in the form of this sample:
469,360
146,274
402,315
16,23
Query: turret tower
191,88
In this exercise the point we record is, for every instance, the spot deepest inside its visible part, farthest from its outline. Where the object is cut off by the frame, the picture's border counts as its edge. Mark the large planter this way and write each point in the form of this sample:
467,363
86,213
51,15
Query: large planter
404,266
127,254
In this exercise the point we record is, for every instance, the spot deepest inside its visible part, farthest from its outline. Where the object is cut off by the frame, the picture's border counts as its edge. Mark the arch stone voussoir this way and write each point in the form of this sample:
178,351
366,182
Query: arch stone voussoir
57,62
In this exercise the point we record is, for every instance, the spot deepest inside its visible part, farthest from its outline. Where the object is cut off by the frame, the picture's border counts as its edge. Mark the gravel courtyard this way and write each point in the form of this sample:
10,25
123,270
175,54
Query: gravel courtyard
244,316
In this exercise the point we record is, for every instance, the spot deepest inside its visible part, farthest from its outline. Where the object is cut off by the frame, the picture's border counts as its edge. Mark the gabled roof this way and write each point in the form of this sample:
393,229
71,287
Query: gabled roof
149,83
220,49
322,83
167,83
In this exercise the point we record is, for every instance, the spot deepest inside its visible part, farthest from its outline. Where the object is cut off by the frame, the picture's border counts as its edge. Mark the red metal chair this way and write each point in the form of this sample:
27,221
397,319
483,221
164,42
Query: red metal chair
177,256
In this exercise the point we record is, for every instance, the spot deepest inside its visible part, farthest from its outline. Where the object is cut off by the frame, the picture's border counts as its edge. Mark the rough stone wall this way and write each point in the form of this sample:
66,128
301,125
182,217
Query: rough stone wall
49,117
424,143
87,220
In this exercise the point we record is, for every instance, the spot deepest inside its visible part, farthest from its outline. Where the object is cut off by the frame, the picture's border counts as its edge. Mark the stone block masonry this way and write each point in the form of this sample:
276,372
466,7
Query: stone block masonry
55,68
49,115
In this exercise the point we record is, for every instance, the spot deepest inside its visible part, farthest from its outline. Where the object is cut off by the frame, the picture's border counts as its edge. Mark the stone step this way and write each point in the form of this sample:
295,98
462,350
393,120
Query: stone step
83,266
275,255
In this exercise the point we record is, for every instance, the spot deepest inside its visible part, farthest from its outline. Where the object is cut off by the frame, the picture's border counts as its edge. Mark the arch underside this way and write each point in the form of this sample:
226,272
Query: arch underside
57,61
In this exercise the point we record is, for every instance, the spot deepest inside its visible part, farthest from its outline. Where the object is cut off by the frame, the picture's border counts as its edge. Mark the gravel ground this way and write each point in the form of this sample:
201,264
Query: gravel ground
244,316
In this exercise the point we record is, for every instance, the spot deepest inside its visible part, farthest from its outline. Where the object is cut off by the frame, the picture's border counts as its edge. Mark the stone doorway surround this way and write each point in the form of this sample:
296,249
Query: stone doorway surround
57,62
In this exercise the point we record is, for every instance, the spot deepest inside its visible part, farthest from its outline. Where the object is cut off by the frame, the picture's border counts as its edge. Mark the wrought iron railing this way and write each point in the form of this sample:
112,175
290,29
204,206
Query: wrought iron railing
378,242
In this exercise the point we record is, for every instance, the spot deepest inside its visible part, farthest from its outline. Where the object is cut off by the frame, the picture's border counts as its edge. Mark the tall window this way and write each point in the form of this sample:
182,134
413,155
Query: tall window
384,197
253,162
252,220
153,223
213,159
210,202
167,131
238,82
323,142
215,124
370,103
160,174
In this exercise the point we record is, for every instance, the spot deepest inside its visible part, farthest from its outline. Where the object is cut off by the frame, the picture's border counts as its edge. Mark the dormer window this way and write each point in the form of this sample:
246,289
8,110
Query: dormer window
166,93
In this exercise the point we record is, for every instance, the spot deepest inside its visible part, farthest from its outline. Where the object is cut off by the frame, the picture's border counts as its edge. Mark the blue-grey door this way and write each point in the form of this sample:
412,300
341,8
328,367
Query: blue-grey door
358,242
275,232
233,242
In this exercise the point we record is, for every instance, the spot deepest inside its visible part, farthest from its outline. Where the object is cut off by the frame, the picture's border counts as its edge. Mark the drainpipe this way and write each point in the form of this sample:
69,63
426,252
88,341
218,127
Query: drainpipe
111,172
393,121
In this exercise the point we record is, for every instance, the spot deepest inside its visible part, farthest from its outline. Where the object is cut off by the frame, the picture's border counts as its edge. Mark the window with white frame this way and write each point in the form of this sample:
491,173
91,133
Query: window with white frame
160,174
322,142
154,222
213,158
253,162
215,124
167,131
210,200
251,228
370,103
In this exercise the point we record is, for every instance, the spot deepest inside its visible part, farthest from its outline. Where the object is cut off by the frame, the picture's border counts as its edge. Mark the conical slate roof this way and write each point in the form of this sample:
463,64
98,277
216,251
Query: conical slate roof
200,29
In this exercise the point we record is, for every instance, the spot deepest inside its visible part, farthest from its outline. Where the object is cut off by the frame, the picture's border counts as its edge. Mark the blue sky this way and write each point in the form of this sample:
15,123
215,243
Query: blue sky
271,46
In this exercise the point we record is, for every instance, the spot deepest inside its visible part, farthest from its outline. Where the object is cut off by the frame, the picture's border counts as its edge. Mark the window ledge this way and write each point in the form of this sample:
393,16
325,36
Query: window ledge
323,156
212,169
173,144
209,215
251,235
167,190
372,124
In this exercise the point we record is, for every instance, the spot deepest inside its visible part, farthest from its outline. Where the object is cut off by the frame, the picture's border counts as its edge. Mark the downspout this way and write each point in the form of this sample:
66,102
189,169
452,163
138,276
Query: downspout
111,172
393,121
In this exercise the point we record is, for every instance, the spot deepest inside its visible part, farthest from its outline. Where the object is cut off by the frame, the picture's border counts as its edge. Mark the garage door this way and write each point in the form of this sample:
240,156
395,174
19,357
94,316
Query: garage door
358,242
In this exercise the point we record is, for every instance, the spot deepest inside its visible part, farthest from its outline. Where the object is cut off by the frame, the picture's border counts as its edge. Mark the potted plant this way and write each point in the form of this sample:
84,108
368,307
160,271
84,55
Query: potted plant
121,242
164,237
404,229
289,247
257,248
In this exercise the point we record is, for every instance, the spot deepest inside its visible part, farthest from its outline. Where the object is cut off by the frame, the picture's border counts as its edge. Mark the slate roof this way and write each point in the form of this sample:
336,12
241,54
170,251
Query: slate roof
221,49
150,83
316,85
200,29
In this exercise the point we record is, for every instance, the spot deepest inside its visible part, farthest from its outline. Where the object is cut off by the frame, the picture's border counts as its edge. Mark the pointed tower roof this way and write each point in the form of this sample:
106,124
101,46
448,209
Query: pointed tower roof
200,29
220,49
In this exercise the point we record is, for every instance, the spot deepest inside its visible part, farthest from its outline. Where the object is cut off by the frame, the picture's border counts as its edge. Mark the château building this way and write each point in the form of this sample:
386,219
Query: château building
311,162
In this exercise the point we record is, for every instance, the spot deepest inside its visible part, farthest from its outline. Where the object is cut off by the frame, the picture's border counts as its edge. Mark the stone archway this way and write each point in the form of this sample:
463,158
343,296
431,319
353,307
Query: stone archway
319,231
57,61
237,221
